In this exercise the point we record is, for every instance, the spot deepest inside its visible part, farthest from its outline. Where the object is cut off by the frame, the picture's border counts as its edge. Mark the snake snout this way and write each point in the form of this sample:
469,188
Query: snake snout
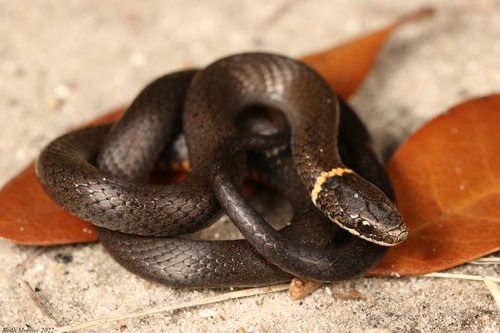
388,226
398,233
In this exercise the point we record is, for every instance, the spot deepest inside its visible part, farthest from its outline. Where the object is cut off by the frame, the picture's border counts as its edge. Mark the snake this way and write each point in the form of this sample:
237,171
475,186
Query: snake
206,103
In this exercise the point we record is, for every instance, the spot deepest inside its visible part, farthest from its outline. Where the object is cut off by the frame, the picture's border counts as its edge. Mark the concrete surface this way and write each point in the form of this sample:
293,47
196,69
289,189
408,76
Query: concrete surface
65,62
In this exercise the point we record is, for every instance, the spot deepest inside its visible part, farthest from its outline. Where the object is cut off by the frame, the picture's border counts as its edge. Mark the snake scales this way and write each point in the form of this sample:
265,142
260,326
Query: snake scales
130,215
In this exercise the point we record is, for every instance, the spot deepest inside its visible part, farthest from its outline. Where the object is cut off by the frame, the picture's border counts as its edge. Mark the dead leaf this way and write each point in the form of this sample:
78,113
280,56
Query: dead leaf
446,178
300,288
29,217
345,67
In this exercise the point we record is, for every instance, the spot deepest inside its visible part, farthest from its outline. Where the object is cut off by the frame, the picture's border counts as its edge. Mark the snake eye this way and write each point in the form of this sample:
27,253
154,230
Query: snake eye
365,227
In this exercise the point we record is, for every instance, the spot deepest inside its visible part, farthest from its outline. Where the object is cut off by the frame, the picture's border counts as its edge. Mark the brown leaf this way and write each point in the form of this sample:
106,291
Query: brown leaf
346,66
29,217
446,178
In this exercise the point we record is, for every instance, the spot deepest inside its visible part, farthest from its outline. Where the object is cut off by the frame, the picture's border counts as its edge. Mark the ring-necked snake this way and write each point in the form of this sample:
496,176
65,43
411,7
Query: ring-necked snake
211,99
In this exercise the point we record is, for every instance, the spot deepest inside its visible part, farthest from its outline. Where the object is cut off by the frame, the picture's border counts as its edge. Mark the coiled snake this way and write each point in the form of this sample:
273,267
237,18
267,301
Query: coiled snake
205,105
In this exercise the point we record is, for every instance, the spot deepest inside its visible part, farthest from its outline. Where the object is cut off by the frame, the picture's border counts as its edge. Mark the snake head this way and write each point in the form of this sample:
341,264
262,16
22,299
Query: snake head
359,207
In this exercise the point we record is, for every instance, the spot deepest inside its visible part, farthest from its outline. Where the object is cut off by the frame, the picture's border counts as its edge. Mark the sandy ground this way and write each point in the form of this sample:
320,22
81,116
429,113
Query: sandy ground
65,62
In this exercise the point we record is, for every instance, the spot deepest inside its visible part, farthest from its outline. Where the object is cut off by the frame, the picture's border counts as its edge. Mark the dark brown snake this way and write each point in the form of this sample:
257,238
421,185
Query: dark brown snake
209,101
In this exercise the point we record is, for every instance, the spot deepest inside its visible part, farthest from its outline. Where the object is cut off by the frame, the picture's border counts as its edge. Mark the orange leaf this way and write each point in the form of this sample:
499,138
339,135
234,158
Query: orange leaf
346,66
446,178
336,65
31,218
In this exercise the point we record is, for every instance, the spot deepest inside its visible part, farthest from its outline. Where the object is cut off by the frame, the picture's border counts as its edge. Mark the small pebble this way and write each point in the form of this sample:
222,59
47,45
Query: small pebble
208,313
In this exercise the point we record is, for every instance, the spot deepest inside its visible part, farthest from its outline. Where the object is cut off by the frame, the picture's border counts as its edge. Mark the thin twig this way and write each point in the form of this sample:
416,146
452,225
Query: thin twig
485,261
31,293
215,299
35,253
459,276
490,282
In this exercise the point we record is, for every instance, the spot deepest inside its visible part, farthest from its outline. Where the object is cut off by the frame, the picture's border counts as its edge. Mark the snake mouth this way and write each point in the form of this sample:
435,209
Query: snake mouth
387,241
391,238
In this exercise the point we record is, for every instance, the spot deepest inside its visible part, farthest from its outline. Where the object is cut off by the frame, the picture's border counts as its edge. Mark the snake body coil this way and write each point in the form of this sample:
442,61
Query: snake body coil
112,198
